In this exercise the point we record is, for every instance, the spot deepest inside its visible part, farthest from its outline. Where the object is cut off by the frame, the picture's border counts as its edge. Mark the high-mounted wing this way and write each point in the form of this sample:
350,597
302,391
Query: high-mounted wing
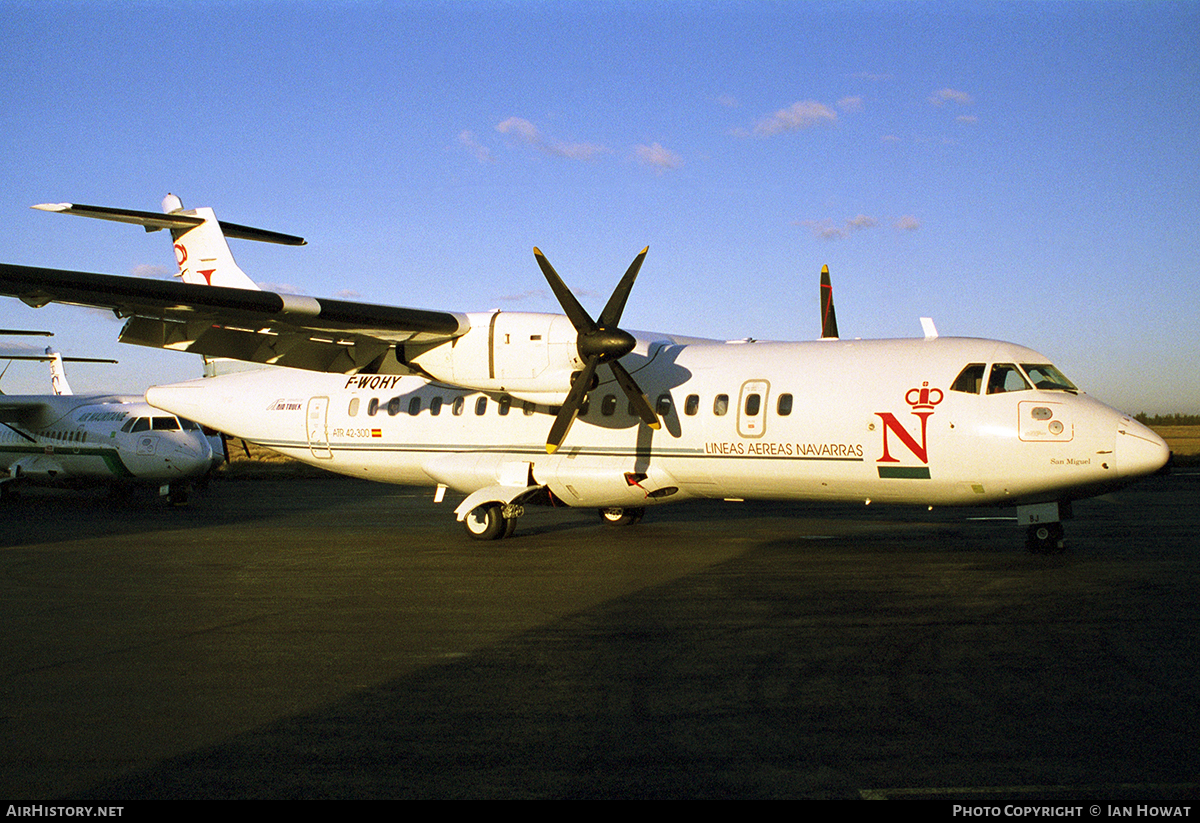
312,333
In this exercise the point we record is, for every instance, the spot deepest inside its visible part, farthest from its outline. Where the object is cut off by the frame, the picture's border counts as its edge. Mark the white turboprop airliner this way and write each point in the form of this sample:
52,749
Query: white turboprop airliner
484,403
77,440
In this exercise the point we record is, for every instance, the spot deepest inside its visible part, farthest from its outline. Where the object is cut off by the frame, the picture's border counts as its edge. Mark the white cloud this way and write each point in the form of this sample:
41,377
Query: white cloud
850,104
482,153
528,133
908,223
801,115
152,270
943,96
728,101
658,157
280,288
828,230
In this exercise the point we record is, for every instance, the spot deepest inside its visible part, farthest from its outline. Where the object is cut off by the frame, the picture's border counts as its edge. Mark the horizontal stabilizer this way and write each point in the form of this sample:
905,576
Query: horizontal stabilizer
46,358
154,221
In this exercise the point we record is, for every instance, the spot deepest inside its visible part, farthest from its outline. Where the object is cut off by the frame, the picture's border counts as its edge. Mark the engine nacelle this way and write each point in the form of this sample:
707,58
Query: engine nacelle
526,355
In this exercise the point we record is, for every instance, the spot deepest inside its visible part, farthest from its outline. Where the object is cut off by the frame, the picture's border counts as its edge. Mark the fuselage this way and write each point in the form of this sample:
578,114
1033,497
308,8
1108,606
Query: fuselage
83,439
903,421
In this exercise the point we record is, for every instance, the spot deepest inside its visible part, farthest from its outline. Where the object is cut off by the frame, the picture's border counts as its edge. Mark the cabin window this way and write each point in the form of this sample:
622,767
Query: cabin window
393,406
691,404
460,403
528,408
504,405
753,404
784,407
414,406
481,405
663,406
608,406
353,410
1048,378
373,406
1005,377
435,406
970,379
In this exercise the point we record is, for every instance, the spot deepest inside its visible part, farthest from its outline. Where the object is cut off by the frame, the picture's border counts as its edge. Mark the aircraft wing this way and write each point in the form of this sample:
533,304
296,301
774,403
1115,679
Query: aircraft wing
32,411
314,333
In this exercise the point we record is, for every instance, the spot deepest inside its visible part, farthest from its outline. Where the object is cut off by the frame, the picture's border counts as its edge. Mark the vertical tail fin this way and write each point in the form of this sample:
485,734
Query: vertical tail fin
201,251
829,329
58,375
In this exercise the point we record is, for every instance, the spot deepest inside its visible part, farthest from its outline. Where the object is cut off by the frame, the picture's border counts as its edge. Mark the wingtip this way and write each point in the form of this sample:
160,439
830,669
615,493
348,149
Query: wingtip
51,206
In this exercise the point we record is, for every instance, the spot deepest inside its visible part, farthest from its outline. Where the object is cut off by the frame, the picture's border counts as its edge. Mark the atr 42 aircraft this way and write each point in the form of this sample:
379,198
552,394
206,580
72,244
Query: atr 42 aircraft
514,409
78,440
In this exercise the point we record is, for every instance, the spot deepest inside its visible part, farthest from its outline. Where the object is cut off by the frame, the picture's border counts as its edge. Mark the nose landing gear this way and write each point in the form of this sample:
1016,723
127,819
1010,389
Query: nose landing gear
1045,538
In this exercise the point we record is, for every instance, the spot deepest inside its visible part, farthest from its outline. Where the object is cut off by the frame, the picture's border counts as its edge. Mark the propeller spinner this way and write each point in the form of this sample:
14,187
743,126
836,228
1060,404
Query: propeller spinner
597,342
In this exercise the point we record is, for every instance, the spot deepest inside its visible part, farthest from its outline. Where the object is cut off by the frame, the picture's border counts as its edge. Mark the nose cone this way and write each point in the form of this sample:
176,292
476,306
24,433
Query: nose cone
1139,450
192,456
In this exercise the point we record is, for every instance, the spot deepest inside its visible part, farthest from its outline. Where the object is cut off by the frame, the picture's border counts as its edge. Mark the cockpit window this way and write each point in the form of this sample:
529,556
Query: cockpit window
1047,378
1006,377
970,379
189,425
164,424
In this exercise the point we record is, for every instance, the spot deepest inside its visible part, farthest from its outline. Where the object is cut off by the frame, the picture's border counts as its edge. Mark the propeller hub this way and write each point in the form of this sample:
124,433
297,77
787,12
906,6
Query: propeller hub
606,344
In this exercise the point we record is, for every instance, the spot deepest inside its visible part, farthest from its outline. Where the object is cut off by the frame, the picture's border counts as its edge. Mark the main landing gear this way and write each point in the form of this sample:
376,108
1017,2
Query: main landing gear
619,516
491,521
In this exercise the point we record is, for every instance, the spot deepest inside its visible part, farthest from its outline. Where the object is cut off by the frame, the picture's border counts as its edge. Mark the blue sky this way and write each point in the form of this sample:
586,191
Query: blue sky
1021,171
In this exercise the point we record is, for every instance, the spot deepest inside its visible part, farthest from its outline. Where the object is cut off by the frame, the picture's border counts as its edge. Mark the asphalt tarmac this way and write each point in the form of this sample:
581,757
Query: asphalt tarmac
330,638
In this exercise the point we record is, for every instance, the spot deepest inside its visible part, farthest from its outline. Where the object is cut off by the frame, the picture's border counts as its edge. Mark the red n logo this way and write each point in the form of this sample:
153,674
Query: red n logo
891,423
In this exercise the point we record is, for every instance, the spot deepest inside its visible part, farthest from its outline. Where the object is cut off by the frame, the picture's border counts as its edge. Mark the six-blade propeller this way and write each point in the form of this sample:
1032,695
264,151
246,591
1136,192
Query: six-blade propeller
597,342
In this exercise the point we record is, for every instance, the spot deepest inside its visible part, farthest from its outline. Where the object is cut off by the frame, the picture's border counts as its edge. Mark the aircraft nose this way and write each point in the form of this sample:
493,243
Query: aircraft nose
192,456
1139,451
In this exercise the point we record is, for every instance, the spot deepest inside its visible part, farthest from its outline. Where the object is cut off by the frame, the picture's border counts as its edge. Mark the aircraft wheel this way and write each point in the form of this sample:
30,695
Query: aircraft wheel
486,522
618,516
1045,538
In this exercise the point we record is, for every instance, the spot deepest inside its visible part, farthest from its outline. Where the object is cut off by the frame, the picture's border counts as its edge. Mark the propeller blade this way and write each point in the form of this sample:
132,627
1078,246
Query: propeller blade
611,315
570,407
641,403
580,319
